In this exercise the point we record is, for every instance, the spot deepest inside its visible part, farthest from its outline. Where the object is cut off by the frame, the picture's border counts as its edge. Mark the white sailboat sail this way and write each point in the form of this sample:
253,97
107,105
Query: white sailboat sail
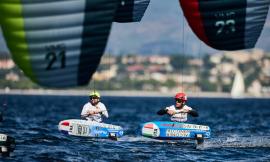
238,88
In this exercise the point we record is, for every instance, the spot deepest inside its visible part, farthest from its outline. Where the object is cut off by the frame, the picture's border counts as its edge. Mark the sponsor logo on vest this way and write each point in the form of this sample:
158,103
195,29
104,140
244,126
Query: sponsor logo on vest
177,133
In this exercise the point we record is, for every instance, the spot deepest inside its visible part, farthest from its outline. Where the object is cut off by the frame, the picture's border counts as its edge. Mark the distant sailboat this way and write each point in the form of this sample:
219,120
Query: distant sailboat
238,88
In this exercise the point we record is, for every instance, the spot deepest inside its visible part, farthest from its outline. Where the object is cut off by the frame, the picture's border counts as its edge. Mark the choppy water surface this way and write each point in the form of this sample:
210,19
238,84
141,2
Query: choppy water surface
240,130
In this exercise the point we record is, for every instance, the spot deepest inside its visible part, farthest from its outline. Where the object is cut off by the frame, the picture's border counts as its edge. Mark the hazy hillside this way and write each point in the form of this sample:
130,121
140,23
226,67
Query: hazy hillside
162,31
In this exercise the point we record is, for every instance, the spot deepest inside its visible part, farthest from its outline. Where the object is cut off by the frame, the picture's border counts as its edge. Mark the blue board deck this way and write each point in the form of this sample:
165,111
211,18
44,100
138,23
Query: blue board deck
85,128
174,130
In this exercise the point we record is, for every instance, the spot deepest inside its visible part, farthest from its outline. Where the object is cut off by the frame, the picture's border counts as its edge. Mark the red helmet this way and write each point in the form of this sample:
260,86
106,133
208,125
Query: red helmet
181,96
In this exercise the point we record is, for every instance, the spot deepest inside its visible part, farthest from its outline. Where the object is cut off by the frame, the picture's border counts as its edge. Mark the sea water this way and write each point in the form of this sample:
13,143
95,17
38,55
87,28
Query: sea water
240,130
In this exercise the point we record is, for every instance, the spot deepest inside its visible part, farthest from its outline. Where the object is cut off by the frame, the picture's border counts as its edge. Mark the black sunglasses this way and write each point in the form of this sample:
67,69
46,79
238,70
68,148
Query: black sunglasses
179,100
93,97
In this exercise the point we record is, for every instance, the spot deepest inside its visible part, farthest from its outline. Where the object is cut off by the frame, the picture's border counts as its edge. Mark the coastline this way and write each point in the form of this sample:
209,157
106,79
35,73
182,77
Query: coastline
122,93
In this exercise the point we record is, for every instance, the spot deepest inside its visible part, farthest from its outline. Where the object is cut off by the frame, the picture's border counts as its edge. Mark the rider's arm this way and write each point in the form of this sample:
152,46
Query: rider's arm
85,112
193,113
103,111
162,111
84,115
168,110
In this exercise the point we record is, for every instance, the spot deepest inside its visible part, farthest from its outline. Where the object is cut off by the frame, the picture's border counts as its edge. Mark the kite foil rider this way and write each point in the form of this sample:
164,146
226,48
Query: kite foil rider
179,112
94,110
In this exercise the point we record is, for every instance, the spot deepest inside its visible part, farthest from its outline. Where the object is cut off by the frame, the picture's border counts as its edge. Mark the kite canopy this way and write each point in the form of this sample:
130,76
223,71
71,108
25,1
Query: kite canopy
57,43
131,10
226,25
